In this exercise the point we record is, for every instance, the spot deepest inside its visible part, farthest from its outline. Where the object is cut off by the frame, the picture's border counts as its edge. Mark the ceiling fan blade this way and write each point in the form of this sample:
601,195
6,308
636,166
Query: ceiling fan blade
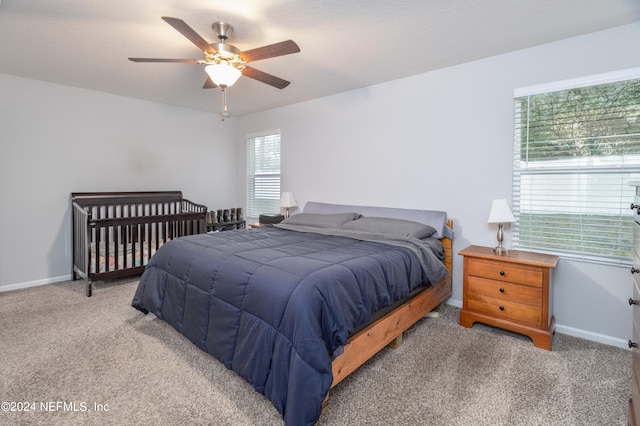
263,77
209,84
277,49
189,33
181,61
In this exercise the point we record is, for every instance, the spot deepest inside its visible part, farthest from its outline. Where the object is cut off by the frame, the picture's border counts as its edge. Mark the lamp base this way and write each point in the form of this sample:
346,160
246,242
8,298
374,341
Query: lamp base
499,250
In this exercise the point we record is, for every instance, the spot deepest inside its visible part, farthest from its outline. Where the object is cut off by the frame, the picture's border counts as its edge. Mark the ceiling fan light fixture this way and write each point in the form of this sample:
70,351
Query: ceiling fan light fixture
223,74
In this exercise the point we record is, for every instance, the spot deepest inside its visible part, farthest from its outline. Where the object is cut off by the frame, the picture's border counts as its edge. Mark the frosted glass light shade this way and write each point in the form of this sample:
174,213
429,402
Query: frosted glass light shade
223,74
500,212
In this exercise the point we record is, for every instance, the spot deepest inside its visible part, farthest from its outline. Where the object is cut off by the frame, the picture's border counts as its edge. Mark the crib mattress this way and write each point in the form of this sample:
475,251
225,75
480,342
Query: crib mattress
126,257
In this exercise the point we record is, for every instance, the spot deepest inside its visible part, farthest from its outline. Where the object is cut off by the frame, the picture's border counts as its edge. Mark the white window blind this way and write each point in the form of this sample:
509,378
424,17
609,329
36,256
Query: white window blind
576,150
263,174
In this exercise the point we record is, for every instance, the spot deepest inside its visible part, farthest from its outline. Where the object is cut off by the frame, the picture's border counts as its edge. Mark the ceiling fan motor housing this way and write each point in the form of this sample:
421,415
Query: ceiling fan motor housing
223,29
225,50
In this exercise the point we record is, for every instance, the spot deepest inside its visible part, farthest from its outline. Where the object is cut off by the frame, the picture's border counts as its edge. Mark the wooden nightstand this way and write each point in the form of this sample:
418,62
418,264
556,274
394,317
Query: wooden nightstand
511,291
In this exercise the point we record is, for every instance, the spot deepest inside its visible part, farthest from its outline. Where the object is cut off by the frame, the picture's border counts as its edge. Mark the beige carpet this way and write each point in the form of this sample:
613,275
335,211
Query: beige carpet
97,361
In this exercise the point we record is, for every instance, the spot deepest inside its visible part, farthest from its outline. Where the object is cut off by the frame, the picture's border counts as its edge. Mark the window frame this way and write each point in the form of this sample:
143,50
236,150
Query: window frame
271,188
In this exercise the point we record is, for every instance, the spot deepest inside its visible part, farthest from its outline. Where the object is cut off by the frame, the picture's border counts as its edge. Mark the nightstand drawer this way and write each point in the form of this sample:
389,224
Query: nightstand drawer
636,233
503,271
635,354
636,308
499,308
531,296
636,277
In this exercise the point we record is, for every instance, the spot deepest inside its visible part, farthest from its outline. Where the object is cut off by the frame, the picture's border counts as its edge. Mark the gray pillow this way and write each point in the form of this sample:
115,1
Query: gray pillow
321,220
390,226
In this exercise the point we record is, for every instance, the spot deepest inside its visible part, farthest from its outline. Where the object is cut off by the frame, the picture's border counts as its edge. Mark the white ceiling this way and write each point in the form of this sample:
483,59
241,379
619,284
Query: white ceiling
345,44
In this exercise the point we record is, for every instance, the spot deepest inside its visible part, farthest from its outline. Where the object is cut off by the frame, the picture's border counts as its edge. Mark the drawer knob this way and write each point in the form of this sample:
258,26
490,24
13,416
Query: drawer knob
632,302
501,308
502,273
501,290
634,270
632,344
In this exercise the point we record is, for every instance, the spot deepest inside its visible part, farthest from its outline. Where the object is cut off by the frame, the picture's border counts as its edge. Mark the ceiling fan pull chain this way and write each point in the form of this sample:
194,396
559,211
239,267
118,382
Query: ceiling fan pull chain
224,112
224,104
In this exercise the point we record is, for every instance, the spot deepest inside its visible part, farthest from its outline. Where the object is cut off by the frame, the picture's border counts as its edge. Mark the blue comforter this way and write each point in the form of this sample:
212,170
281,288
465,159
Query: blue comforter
277,305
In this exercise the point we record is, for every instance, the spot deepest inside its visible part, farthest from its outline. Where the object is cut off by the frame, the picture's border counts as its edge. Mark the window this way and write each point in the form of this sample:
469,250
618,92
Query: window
577,147
263,174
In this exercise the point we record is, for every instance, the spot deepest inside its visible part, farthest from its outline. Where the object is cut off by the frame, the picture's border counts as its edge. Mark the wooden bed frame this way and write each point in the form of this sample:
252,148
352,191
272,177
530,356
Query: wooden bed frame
388,329
107,223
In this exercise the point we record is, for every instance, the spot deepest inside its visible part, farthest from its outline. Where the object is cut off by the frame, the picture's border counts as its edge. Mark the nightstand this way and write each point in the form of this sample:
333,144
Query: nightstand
512,291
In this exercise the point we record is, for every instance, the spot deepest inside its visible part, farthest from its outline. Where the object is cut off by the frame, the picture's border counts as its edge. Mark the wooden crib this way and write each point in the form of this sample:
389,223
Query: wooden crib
114,234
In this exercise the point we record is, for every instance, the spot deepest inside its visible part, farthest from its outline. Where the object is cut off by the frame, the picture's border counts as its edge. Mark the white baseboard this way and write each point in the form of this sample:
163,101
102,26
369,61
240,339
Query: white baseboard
590,335
572,331
35,283
454,302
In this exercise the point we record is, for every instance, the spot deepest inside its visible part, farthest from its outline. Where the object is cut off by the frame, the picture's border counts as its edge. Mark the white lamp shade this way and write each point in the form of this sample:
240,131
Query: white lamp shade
500,212
287,200
223,74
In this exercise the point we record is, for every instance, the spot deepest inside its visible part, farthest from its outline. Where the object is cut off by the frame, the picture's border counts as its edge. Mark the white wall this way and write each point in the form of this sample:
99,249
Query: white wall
443,140
55,140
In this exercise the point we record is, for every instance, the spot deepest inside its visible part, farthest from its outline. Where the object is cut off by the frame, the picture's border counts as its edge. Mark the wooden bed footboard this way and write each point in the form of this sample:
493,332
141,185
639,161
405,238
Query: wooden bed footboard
369,341
114,234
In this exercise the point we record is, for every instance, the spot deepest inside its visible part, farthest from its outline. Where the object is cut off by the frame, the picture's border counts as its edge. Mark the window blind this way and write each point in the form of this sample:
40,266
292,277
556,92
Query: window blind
576,150
263,174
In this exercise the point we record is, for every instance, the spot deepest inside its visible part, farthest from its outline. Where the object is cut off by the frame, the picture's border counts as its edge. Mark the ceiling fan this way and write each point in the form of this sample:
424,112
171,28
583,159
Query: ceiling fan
226,63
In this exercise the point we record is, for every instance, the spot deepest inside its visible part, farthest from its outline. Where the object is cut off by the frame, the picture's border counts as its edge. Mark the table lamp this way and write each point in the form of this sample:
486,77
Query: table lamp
287,200
500,214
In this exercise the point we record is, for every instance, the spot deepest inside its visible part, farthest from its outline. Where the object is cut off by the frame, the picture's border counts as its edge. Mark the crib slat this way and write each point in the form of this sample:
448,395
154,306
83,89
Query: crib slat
127,249
117,232
106,250
130,236
149,242
134,238
96,241
158,238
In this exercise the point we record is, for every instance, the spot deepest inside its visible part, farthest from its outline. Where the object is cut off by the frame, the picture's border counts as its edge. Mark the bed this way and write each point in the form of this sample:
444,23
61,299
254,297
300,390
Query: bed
114,234
294,308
